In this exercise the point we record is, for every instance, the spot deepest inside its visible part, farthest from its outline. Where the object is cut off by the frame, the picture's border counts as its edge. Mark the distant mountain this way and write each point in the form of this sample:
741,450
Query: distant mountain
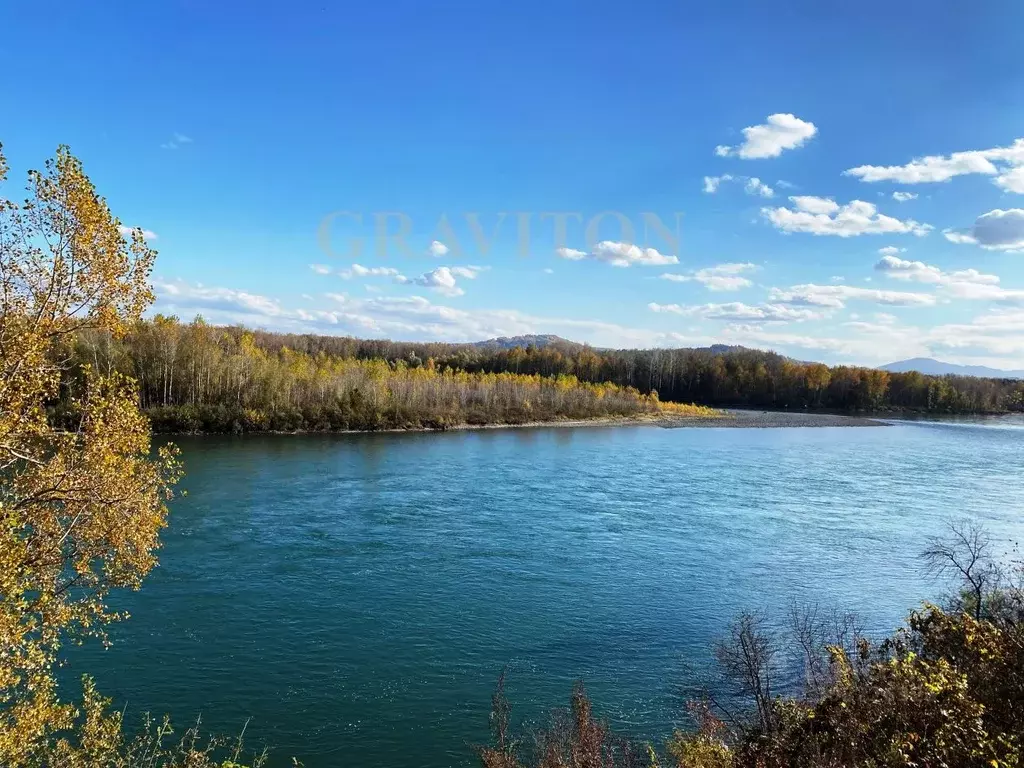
938,368
551,340
536,340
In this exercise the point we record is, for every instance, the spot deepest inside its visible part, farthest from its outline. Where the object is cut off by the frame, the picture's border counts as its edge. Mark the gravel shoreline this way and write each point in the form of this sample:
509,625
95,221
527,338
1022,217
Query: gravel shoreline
738,419
729,419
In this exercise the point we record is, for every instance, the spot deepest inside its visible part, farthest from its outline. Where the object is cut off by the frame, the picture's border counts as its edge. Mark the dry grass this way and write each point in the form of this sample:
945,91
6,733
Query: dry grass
689,410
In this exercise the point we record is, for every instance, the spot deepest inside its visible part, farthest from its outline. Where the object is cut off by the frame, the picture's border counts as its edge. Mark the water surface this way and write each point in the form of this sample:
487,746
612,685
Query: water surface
358,595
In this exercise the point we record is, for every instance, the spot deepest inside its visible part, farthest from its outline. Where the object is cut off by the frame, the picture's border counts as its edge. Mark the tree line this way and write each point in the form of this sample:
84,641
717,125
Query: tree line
201,378
194,376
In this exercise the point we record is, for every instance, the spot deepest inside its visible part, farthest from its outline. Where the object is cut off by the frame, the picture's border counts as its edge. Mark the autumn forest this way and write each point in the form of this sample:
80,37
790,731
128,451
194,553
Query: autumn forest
196,377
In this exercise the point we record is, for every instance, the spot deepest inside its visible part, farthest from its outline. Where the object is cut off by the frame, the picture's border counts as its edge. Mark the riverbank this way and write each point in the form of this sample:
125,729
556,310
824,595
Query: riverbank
721,419
724,419
752,419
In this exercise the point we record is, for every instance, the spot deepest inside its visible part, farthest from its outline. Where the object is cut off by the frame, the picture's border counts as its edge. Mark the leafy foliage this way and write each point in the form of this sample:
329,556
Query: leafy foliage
210,369
199,378
947,689
82,503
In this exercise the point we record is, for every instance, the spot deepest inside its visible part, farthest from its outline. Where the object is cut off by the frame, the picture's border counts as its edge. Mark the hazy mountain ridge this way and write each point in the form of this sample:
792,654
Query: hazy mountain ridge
538,340
934,367
551,340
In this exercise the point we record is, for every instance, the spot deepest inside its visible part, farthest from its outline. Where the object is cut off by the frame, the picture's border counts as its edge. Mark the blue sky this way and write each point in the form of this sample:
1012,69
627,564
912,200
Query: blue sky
236,132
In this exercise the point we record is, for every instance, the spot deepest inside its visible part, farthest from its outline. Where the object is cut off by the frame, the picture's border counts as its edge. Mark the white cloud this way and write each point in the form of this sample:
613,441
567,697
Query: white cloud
778,133
752,185
437,249
891,250
711,183
442,280
982,291
919,272
812,204
823,216
1002,162
1012,180
723,282
996,230
960,238
358,270
739,312
722,277
836,296
1000,230
320,269
903,197
619,255
570,253
756,187
225,299
147,234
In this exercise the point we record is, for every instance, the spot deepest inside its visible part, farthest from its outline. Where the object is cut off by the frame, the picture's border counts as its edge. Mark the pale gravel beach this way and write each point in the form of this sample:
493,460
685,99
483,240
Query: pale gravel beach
728,419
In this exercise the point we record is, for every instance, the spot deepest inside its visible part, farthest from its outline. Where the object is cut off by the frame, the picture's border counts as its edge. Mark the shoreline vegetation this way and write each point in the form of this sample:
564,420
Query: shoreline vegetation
196,378
709,419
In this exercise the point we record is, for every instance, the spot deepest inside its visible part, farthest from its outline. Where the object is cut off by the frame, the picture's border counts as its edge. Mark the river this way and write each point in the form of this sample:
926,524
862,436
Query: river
357,596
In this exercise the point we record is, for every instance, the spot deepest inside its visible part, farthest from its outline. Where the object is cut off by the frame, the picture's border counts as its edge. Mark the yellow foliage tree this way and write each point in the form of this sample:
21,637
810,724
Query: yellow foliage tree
82,501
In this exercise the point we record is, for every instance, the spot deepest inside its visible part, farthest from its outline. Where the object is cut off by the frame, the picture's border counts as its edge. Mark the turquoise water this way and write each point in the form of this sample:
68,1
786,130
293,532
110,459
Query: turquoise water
358,595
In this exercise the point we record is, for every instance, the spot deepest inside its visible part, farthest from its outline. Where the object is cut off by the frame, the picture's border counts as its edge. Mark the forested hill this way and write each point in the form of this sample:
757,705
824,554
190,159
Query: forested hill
307,376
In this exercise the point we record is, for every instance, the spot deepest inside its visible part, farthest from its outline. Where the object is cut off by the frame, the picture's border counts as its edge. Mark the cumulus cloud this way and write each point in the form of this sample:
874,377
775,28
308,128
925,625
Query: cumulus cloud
996,230
751,185
836,296
147,234
903,197
442,280
739,312
919,272
320,269
1000,230
722,277
824,216
619,255
1012,180
1005,163
778,133
437,249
